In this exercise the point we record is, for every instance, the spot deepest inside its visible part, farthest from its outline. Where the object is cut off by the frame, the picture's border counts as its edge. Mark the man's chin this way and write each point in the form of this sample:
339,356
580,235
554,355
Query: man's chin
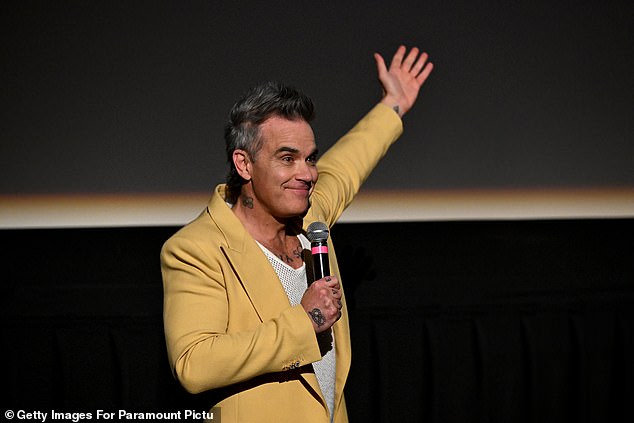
307,208
300,212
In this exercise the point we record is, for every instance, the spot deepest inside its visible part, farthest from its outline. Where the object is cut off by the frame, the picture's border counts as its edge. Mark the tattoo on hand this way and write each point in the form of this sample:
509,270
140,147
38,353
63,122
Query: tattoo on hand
247,202
317,317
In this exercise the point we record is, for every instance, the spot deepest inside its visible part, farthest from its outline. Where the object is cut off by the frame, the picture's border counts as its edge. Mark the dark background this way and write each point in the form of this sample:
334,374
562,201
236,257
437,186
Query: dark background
462,321
131,96
471,321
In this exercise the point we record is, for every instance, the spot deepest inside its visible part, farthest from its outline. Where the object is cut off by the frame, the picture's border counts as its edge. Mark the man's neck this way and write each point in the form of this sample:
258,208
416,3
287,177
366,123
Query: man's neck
264,227
279,236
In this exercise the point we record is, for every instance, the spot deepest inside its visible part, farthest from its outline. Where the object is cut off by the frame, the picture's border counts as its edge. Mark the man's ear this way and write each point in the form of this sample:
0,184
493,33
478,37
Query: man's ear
242,162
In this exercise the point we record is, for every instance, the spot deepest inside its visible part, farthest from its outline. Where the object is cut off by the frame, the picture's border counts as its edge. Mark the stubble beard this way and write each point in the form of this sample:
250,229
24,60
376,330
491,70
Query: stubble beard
307,208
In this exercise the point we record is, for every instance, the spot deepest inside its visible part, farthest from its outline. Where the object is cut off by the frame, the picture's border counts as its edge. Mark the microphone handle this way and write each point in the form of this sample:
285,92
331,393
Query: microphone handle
321,267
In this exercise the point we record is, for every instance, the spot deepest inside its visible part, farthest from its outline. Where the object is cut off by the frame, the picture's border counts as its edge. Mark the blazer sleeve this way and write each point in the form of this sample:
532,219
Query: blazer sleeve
348,163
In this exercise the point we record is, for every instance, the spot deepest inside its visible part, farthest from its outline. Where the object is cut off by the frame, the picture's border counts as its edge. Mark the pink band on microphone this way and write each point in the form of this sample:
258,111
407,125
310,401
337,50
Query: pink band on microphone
322,249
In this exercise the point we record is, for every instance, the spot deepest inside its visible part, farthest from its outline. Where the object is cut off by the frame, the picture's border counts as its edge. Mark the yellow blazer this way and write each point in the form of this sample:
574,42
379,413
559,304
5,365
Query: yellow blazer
229,326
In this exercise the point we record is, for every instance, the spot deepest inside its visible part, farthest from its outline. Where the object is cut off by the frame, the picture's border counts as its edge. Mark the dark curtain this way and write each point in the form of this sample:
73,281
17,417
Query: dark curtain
501,321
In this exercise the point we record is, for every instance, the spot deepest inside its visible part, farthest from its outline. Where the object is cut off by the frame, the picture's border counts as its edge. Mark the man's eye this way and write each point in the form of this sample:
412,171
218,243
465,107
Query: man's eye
287,159
312,159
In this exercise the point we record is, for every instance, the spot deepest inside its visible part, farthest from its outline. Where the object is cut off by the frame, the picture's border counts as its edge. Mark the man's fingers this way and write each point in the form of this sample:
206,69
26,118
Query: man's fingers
425,73
397,59
331,281
419,64
410,59
380,64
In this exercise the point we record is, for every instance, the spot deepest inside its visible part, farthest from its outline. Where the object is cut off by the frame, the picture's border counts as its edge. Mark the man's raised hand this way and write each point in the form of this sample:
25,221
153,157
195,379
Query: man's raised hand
401,82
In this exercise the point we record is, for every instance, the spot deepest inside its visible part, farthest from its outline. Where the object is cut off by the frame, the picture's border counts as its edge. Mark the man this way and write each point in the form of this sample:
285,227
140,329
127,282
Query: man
242,318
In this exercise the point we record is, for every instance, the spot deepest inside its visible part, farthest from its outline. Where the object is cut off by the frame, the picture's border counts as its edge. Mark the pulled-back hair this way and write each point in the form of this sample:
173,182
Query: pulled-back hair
242,132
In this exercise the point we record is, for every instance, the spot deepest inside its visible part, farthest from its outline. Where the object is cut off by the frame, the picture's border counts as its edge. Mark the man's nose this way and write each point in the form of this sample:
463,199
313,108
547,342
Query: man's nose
306,172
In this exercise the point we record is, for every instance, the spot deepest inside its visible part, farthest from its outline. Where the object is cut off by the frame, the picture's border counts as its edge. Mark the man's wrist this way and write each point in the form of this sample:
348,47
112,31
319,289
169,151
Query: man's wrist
393,104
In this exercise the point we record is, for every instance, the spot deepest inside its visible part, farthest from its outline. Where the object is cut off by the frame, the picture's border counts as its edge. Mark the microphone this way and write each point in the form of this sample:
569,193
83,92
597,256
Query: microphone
317,234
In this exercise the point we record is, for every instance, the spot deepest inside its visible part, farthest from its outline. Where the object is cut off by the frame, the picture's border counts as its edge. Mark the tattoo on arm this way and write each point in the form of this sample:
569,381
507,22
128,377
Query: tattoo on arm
317,317
247,202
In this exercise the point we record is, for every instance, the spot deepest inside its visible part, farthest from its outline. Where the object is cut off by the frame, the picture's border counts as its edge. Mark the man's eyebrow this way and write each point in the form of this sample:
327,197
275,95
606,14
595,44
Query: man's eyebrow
286,149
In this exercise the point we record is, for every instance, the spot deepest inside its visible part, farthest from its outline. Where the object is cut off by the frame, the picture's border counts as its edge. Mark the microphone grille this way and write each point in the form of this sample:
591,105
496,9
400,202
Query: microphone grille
317,231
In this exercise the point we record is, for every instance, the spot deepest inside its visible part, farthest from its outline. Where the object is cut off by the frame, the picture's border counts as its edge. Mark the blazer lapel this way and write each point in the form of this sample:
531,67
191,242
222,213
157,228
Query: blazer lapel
249,263
259,280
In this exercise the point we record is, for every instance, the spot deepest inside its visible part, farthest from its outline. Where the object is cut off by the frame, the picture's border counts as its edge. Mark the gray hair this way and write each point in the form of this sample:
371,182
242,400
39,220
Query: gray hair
242,132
